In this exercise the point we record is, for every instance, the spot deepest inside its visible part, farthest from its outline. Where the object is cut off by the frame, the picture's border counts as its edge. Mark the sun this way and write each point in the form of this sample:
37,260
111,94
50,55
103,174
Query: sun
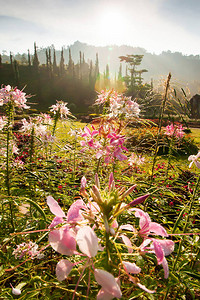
111,24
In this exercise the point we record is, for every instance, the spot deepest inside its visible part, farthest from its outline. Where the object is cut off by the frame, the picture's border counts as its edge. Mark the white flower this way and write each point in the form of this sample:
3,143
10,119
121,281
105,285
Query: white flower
16,292
193,159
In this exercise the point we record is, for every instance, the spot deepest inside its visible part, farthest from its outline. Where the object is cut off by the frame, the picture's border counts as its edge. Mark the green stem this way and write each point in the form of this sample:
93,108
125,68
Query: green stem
32,147
160,126
9,133
184,229
171,143
98,165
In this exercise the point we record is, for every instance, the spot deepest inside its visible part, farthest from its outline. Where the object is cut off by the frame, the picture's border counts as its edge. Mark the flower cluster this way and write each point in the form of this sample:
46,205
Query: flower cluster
173,130
61,109
3,122
118,105
90,227
135,160
14,95
27,249
105,141
36,125
194,159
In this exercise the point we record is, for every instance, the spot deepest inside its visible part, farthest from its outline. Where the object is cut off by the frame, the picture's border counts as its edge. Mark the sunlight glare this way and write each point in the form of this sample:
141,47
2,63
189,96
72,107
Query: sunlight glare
112,25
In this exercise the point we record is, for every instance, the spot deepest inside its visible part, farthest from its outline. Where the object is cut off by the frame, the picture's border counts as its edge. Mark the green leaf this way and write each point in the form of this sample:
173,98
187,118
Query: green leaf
193,275
37,207
178,220
21,285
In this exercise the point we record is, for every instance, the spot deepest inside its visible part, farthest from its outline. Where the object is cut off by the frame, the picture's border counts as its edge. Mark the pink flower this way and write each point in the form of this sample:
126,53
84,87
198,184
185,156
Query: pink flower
17,97
63,240
63,269
176,131
194,159
146,226
108,283
60,108
135,160
131,267
161,248
3,122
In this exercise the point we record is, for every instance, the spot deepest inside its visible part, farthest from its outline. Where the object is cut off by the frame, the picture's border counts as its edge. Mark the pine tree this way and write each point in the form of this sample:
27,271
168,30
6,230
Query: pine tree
70,65
62,63
90,74
50,63
11,58
16,72
35,59
29,58
97,67
120,72
107,72
55,68
80,65
47,58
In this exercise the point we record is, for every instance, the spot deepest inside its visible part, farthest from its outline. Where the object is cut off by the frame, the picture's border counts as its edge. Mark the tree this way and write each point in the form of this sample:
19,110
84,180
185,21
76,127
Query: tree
97,67
70,64
55,68
62,63
29,58
134,80
35,59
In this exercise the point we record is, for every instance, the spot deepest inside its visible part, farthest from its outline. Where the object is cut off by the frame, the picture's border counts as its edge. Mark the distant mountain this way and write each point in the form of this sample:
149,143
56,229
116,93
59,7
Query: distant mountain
184,69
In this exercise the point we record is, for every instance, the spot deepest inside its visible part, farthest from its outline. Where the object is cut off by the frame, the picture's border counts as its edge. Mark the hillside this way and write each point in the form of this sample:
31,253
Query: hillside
184,69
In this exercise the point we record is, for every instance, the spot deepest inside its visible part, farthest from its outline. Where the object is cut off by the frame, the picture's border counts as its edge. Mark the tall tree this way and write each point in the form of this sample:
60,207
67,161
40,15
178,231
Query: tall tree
62,63
97,67
120,72
35,59
70,65
29,58
11,58
134,80
55,68
16,72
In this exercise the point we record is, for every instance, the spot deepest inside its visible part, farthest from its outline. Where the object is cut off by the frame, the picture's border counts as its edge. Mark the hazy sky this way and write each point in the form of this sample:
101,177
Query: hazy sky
156,25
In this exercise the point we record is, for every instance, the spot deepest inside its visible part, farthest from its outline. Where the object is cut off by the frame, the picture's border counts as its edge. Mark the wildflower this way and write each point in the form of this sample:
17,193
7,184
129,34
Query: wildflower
136,160
14,95
161,248
29,249
60,108
176,131
109,285
3,122
15,291
194,159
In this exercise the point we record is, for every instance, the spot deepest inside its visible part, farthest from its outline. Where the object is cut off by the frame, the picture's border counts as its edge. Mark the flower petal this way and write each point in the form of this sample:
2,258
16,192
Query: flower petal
158,251
63,269
127,242
104,295
55,207
87,241
166,268
108,282
143,287
56,221
131,267
73,214
63,240
157,229
167,246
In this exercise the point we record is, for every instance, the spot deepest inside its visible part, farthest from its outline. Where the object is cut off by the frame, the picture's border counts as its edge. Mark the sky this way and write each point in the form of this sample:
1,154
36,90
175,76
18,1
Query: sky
155,25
